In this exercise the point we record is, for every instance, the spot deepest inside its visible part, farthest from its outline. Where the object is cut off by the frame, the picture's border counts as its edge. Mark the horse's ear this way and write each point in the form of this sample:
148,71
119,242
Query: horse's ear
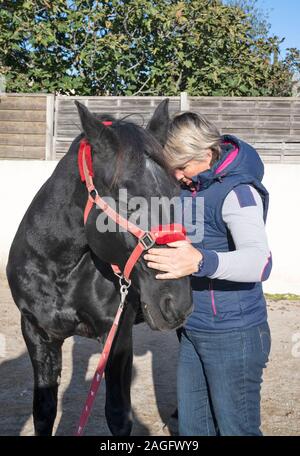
160,121
91,126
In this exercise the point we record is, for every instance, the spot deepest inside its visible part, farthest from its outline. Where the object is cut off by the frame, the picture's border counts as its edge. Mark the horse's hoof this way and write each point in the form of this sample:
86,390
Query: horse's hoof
119,426
172,423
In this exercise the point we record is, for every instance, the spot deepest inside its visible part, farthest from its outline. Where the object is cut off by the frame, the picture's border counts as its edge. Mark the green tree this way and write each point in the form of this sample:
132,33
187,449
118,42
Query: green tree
139,47
259,18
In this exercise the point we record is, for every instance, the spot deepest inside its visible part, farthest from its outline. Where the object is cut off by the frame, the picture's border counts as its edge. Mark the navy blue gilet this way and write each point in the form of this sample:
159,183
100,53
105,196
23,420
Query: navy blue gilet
220,304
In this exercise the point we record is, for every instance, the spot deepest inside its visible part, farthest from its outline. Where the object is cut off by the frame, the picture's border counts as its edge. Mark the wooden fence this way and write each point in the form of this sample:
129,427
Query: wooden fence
67,123
26,126
271,125
42,127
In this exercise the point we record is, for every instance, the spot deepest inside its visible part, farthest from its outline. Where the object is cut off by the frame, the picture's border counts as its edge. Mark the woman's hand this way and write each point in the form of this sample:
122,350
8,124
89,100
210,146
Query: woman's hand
179,261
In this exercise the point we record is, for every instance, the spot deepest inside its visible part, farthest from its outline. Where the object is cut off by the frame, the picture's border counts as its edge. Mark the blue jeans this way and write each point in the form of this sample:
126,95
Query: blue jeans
219,380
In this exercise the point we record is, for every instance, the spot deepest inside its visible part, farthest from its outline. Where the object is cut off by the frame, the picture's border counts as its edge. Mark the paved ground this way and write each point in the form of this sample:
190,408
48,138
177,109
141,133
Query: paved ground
154,382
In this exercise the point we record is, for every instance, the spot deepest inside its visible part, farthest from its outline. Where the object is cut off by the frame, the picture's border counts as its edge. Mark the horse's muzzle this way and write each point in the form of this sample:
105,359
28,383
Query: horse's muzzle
165,316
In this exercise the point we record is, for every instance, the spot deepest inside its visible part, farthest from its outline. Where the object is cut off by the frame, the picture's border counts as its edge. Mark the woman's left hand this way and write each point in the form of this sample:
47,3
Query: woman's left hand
179,261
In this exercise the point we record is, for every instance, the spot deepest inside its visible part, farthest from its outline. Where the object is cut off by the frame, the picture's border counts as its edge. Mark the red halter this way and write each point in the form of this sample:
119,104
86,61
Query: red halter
146,239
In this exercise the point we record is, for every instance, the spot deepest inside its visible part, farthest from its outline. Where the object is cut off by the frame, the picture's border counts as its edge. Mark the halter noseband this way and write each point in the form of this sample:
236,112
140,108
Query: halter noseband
146,239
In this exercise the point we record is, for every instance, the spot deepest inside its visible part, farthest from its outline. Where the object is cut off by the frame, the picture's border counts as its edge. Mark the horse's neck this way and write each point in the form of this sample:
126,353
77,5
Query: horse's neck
58,211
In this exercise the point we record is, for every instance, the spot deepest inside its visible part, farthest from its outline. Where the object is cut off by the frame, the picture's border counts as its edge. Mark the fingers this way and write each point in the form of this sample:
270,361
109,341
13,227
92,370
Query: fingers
158,251
166,252
159,266
157,254
179,244
166,269
167,275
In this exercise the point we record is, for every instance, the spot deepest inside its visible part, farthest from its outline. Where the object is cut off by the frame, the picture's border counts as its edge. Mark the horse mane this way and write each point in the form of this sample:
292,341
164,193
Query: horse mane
136,144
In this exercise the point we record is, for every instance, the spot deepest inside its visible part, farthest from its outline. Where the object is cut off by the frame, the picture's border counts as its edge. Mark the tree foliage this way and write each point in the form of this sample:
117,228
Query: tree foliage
258,17
139,47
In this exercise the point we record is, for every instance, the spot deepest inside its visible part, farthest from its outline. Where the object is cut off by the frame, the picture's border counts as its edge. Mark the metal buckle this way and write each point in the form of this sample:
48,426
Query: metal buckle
123,285
94,190
147,241
123,290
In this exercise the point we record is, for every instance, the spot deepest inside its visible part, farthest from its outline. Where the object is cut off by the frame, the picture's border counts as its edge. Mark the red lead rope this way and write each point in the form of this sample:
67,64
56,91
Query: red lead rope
101,367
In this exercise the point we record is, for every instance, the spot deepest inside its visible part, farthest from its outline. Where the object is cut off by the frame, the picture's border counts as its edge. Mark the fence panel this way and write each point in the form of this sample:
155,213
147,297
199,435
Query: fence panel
39,126
25,128
67,123
271,125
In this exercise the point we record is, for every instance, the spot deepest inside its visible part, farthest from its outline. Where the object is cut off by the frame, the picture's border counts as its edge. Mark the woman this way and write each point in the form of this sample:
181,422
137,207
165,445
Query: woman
225,342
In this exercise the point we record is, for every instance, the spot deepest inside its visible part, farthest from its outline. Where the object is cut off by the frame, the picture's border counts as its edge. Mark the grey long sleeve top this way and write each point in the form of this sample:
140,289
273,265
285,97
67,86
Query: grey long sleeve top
251,261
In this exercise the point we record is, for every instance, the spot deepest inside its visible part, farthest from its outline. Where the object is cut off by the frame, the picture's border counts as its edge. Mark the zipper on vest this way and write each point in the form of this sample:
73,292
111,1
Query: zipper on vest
212,295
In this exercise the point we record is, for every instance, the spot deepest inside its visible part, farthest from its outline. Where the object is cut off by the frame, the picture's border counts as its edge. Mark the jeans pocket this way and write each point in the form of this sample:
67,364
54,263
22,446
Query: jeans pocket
265,339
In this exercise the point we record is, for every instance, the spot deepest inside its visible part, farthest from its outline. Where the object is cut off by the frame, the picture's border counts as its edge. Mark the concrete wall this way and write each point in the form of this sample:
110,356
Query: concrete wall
20,180
283,227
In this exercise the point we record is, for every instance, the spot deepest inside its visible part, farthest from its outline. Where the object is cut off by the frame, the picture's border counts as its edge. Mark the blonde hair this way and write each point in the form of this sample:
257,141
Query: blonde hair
189,137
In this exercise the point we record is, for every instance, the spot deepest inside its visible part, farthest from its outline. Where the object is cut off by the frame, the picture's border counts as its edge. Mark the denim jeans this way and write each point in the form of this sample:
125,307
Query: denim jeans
219,380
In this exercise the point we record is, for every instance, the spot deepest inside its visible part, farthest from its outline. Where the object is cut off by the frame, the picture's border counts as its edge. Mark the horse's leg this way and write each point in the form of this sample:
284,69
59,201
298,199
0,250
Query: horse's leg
46,360
118,378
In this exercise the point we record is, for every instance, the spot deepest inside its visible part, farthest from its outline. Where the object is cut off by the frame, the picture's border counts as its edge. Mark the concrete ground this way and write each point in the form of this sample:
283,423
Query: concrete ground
154,377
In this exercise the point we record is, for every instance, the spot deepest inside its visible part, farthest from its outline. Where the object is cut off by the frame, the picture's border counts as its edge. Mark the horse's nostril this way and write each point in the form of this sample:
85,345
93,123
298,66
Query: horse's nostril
167,307
168,304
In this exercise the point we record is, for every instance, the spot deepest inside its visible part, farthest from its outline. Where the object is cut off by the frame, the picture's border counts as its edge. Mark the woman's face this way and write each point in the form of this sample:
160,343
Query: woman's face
192,168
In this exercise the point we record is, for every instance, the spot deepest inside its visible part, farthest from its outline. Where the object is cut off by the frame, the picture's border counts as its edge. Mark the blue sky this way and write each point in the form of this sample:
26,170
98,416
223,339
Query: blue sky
284,17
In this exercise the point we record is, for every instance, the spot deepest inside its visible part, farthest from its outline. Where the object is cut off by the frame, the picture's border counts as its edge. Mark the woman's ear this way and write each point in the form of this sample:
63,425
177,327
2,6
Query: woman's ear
209,157
160,122
178,173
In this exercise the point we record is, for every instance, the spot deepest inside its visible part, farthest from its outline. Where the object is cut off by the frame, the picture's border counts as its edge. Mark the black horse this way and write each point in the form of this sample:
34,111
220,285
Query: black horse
59,269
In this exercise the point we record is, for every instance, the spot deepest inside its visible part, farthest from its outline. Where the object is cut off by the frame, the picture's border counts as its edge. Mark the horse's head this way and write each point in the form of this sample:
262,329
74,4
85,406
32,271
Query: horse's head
131,175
